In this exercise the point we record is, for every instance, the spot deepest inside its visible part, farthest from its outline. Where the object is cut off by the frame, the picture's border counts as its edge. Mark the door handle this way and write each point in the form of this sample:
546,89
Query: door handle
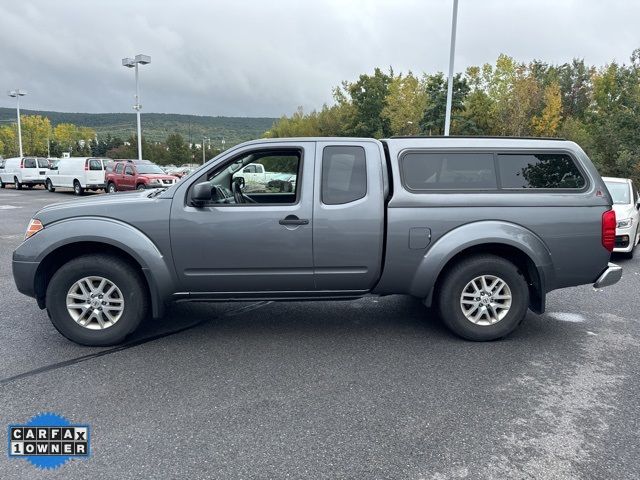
293,220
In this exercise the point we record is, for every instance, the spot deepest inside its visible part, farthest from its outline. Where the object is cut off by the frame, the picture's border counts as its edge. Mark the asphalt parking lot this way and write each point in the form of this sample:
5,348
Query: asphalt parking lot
374,388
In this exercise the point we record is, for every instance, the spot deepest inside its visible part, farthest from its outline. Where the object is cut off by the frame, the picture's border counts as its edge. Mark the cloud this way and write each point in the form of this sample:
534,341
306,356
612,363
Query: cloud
256,58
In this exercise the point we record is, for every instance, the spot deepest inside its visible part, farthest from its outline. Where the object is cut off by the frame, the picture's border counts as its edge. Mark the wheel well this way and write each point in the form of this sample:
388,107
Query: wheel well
55,259
521,260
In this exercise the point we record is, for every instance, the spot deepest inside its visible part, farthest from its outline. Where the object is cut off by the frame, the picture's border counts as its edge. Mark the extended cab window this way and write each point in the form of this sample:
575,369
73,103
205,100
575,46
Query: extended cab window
539,170
344,174
448,171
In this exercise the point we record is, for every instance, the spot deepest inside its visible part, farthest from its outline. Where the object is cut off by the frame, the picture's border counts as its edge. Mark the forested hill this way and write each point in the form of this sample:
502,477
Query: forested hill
157,126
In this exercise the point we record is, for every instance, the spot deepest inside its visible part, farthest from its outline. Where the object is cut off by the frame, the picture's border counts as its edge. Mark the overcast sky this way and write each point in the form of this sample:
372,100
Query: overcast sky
266,57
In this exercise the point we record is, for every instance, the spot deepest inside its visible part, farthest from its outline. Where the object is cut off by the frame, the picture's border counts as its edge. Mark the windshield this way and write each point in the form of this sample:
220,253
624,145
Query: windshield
146,168
619,192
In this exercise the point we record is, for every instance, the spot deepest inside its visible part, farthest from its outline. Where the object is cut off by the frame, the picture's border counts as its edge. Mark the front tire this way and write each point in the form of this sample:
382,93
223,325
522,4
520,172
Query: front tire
50,186
96,300
140,187
483,298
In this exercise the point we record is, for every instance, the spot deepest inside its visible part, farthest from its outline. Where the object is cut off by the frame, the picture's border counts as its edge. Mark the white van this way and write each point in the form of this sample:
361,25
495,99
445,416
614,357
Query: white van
27,171
79,173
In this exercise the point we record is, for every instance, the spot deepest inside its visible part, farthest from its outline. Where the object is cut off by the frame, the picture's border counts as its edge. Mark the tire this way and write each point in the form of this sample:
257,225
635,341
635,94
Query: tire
140,187
49,185
77,188
130,287
17,183
30,186
1,183
111,188
458,281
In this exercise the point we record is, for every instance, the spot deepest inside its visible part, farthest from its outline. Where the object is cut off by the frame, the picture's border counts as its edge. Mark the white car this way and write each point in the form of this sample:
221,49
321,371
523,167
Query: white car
79,173
29,171
626,203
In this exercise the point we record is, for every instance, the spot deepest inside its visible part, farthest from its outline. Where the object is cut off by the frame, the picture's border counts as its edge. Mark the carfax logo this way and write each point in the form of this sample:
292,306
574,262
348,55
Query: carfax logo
49,440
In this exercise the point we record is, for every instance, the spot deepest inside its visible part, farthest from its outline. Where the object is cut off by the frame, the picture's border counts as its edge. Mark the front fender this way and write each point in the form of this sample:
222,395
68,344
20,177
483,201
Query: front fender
481,233
155,266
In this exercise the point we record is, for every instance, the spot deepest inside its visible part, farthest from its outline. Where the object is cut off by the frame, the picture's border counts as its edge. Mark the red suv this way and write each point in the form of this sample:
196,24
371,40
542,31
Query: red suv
137,175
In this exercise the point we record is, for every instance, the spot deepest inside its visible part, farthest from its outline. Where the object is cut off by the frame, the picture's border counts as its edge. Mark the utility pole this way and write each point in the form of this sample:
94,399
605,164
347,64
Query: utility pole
452,53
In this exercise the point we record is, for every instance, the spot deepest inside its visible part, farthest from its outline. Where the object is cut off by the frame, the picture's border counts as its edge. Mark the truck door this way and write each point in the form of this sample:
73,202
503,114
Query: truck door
348,215
252,245
128,179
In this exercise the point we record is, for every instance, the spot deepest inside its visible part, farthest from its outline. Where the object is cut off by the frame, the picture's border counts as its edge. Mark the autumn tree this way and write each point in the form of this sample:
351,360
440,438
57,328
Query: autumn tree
547,123
405,105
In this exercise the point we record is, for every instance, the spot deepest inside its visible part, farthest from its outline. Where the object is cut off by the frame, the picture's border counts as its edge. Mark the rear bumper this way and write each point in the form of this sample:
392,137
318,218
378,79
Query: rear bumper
611,275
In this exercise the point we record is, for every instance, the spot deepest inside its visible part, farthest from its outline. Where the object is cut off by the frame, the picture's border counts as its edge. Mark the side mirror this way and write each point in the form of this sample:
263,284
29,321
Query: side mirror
201,194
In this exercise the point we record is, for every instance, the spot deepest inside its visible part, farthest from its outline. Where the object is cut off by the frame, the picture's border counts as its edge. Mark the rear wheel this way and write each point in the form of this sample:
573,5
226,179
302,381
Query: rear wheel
17,183
96,300
483,298
77,188
1,183
49,185
111,188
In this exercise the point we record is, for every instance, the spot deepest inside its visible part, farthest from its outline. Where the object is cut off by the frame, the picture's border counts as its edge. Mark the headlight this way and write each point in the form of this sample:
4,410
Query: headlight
625,222
34,227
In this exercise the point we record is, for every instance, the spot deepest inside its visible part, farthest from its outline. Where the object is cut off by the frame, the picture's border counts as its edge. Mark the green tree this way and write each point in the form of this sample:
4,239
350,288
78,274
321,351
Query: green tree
432,122
405,105
36,130
177,150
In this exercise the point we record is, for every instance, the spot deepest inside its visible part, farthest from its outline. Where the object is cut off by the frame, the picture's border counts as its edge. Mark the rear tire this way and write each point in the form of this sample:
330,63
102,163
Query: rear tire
116,271
1,183
498,315
77,188
17,183
49,185
111,188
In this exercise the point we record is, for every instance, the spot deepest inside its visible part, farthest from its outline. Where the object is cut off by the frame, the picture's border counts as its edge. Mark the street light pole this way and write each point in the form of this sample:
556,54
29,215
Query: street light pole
204,139
133,63
17,93
452,52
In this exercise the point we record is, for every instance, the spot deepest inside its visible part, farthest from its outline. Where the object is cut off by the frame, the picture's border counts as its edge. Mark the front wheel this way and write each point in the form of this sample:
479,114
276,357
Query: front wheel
483,298
96,300
50,186
140,187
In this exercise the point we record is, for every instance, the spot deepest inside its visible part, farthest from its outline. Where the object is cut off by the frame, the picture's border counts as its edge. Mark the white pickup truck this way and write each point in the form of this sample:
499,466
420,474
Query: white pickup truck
256,173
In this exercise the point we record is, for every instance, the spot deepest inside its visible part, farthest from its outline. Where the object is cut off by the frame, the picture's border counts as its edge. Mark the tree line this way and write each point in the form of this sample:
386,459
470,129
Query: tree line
598,107
40,139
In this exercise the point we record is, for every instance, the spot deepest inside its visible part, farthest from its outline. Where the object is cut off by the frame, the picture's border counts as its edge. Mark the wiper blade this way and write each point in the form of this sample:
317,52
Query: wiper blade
157,192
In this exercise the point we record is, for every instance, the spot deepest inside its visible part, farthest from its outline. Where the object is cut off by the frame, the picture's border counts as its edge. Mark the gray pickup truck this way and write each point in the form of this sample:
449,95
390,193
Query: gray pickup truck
482,228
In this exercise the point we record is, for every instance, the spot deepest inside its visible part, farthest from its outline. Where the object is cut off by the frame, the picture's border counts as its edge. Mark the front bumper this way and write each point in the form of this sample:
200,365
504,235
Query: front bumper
611,275
24,275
